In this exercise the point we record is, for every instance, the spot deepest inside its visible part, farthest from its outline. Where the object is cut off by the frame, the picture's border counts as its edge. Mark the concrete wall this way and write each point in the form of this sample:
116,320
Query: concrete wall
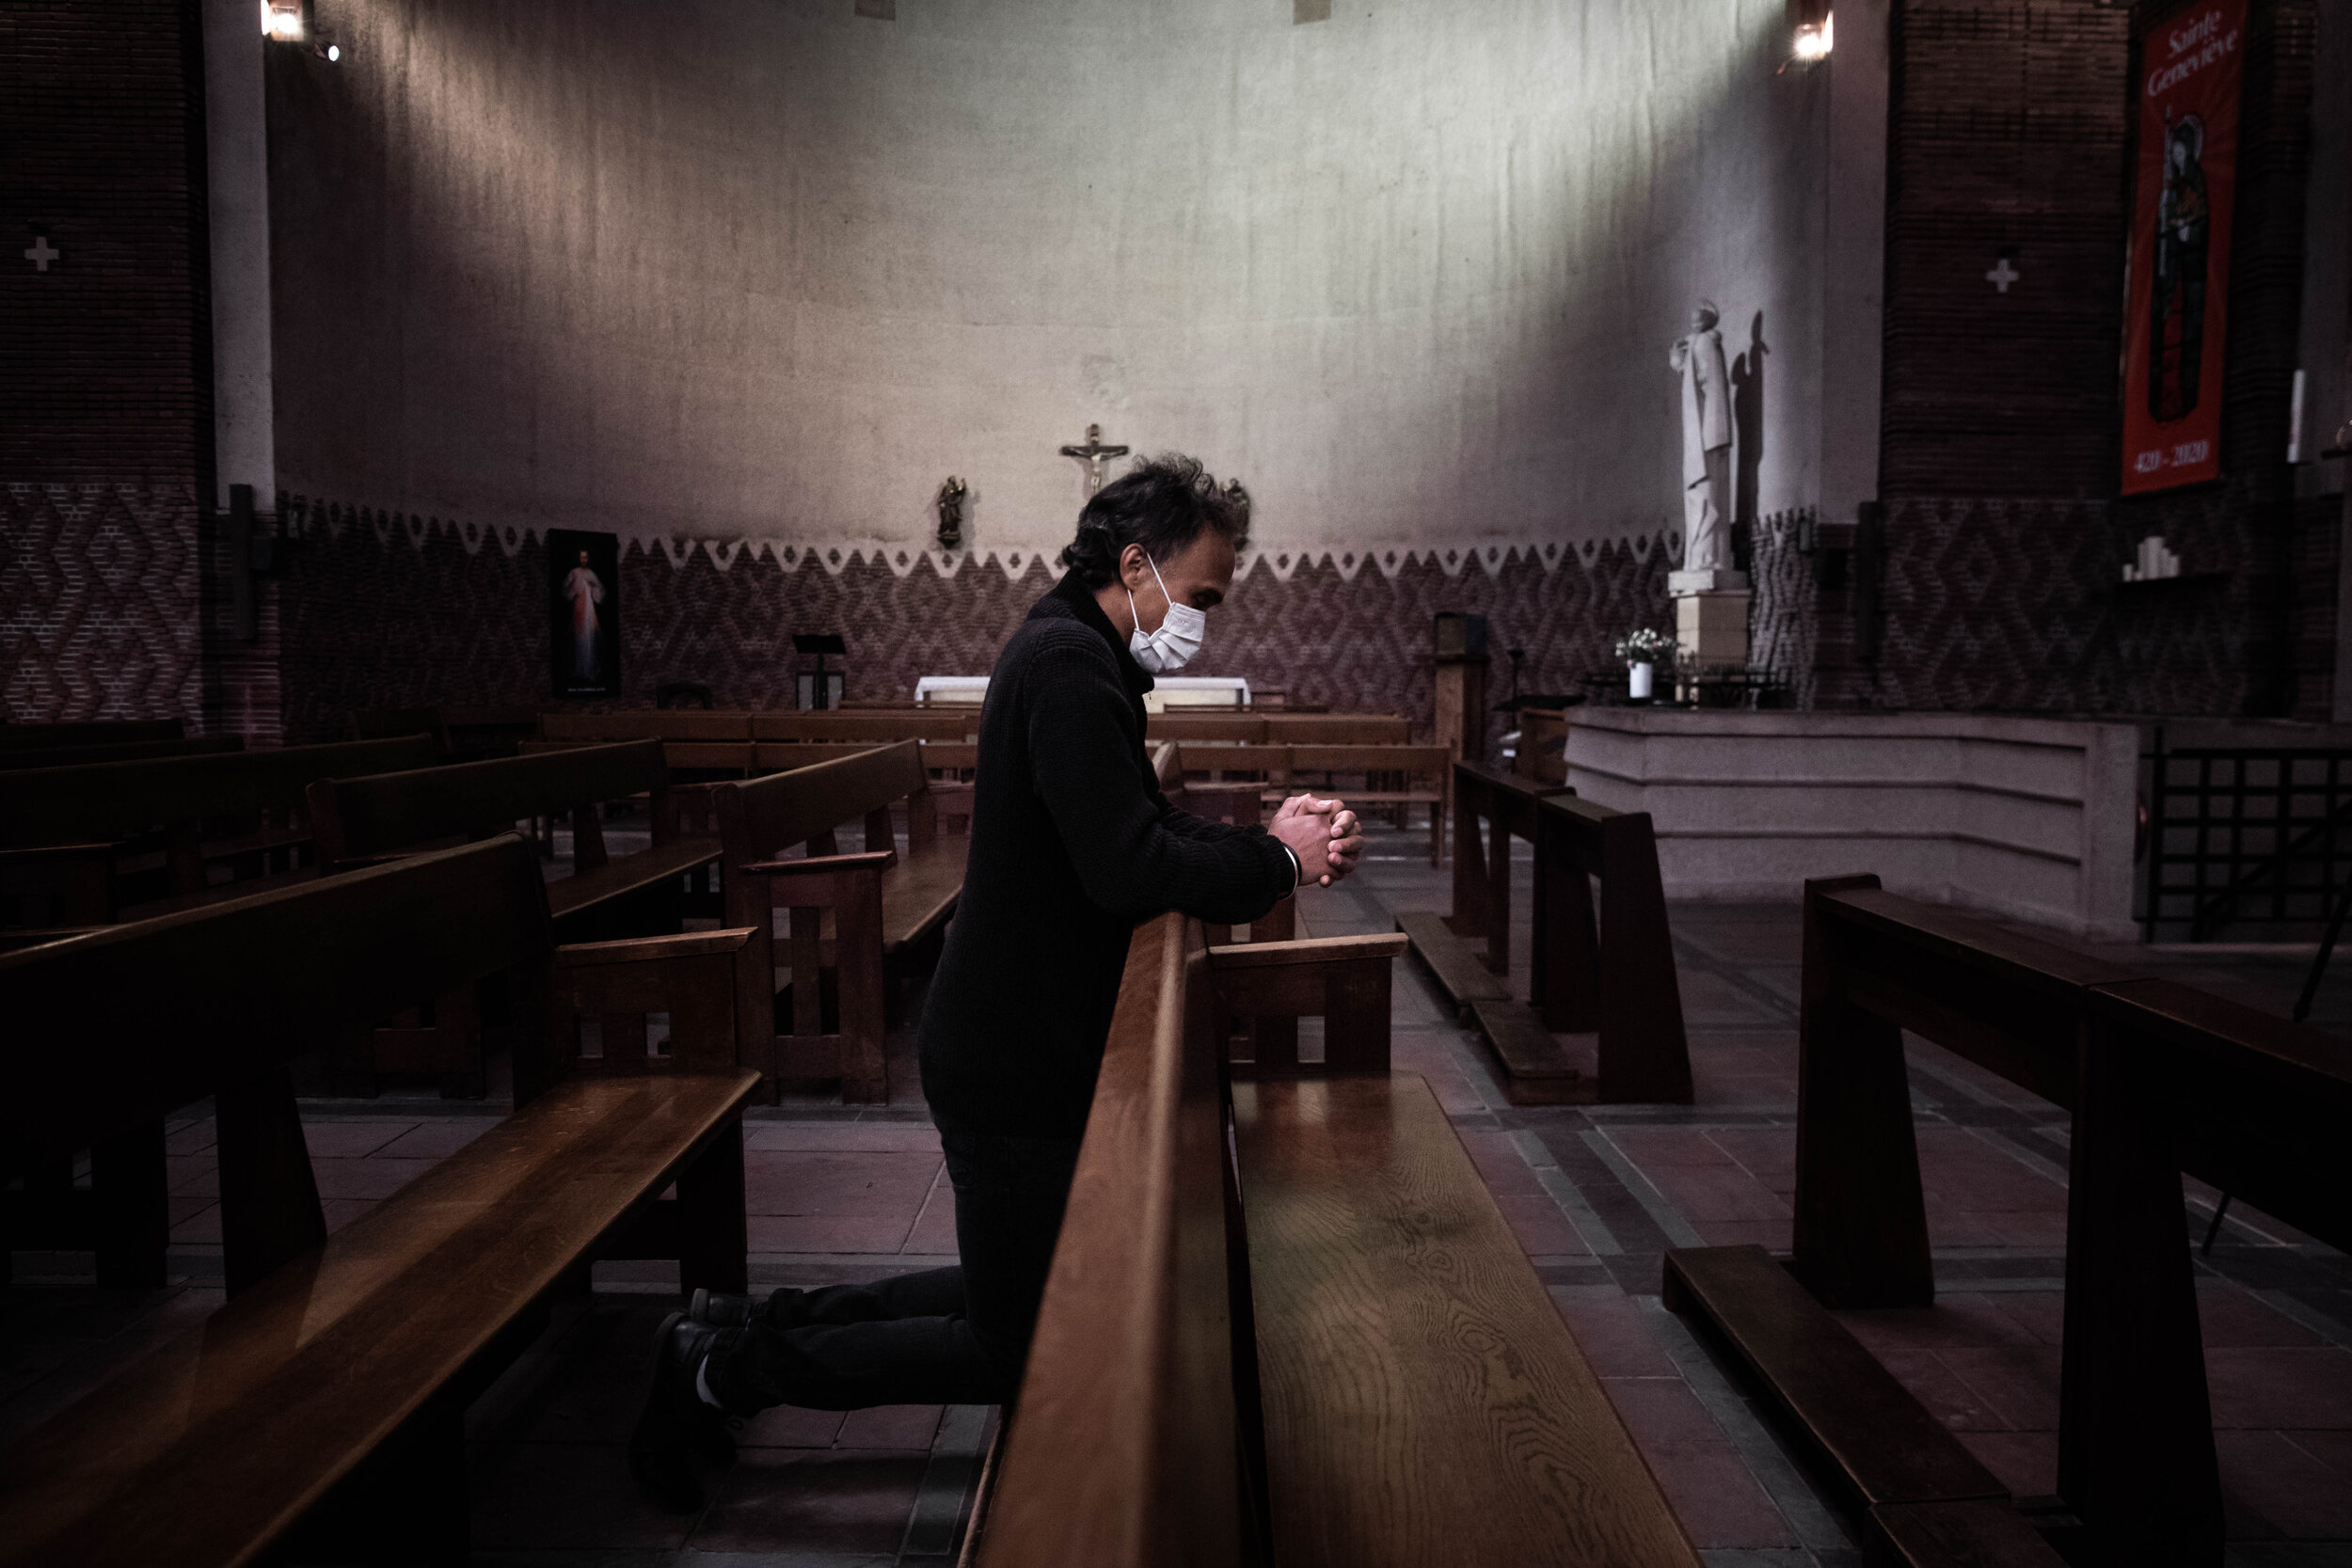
2031,818
772,270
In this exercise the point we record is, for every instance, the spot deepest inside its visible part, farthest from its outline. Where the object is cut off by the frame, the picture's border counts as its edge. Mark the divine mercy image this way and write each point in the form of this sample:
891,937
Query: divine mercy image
584,643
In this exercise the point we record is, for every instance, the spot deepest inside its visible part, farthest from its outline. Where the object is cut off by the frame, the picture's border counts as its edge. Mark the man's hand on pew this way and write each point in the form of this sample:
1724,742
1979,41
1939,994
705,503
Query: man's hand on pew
1323,834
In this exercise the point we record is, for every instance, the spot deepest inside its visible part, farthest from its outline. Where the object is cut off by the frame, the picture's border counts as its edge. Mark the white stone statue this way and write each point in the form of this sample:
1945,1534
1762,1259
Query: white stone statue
1699,359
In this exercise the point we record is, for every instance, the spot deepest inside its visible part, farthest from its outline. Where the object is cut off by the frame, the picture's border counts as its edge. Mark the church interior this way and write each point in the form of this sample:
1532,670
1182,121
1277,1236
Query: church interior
1808,538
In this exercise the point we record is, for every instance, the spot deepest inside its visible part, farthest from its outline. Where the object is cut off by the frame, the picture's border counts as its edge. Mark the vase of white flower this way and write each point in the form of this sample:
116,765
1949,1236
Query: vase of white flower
1642,650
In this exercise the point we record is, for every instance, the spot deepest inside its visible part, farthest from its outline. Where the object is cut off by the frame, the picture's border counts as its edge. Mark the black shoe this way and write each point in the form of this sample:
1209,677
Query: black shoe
714,1310
677,1428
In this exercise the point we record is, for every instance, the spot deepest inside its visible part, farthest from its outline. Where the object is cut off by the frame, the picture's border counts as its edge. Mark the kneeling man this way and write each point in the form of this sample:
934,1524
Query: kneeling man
1073,845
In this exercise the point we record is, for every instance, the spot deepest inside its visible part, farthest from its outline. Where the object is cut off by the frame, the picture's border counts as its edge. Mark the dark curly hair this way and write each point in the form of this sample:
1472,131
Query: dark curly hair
1162,503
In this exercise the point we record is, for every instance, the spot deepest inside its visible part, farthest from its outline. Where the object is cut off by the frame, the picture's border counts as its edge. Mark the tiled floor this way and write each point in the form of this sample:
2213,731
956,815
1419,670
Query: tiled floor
1594,1195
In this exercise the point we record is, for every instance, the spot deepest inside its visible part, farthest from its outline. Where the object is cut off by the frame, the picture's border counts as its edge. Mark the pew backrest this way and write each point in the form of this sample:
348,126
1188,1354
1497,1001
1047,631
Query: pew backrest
2013,1001
124,750
870,727
2248,1102
103,802
344,950
360,819
762,817
107,732
646,724
1124,1452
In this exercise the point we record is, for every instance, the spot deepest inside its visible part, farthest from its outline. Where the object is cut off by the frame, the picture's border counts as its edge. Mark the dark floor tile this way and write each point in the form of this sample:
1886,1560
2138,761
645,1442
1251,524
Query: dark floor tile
563,1496
837,1500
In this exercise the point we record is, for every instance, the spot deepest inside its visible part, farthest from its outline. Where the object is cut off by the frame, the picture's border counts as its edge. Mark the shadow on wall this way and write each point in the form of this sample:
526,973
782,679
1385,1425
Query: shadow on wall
1747,421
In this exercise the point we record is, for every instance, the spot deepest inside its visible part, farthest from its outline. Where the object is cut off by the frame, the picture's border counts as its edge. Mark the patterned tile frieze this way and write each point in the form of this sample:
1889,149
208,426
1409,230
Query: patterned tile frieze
385,609
101,616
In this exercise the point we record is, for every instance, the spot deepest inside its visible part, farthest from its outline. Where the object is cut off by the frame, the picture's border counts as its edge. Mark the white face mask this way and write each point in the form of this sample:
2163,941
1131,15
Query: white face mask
1177,642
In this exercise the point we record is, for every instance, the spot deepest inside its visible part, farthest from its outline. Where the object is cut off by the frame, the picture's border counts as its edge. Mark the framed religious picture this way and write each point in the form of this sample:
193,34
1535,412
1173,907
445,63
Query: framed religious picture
2177,283
584,613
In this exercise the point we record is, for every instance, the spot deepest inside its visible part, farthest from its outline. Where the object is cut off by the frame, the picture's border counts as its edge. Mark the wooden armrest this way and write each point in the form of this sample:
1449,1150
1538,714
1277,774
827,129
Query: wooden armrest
872,860
1317,950
642,949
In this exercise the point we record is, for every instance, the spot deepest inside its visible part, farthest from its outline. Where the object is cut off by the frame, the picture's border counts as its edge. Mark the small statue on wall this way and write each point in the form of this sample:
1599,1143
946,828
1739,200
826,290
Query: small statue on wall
1240,497
950,504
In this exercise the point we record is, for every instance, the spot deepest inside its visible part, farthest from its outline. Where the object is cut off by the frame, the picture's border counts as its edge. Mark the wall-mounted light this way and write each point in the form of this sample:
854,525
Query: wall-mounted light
1809,33
281,21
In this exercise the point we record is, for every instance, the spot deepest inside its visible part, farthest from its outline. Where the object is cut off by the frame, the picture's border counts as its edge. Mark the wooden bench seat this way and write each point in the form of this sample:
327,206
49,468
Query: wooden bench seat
101,842
1343,1307
1931,1503
302,1375
334,1383
859,918
1423,1402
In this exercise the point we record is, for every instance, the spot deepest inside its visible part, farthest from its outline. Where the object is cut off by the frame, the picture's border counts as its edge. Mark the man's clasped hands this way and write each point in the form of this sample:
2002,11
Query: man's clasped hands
1323,834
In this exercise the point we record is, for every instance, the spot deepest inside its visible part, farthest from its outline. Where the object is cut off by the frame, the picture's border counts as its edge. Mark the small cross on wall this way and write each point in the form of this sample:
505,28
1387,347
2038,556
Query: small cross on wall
2003,275
41,253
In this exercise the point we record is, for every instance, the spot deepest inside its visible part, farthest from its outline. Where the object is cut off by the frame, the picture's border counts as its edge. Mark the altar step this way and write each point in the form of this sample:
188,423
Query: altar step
1533,1065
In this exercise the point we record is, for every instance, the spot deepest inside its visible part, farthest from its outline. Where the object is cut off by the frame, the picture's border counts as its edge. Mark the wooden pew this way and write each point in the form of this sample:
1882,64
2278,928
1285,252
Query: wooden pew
1394,776
362,821
1536,1071
334,1383
1293,729
107,732
24,758
859,916
1617,980
954,766
2160,1079
90,844
870,727
461,734
1342,1308
646,724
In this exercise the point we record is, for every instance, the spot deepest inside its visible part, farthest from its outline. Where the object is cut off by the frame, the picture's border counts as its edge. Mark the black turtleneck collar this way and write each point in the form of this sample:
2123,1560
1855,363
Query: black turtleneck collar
1073,597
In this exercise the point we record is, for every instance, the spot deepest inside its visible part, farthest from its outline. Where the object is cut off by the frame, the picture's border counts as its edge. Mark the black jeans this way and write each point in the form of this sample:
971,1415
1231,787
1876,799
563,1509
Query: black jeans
957,1335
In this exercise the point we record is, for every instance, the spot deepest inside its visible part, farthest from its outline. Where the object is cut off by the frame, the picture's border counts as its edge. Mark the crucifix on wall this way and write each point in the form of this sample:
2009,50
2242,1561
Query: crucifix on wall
1094,455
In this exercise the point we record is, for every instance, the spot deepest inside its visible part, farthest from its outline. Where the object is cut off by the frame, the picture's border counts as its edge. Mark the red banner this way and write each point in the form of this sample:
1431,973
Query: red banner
2177,299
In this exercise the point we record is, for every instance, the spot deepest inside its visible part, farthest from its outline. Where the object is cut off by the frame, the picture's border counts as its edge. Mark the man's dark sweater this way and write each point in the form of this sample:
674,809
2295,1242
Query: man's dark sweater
1073,845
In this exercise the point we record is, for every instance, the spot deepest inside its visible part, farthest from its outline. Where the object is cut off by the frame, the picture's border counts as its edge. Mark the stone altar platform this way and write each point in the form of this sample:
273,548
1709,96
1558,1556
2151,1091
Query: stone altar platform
2026,818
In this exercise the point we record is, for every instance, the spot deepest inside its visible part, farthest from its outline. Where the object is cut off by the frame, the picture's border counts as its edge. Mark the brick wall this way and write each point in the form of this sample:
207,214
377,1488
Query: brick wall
2004,537
105,409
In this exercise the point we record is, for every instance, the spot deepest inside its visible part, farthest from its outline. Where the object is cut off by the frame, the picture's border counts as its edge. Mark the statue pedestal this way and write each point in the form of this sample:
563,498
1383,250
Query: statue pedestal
1711,617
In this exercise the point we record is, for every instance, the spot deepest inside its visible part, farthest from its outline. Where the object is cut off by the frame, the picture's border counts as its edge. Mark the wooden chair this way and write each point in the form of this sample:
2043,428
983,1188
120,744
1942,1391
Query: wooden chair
102,842
855,916
363,821
1286,1322
320,1411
